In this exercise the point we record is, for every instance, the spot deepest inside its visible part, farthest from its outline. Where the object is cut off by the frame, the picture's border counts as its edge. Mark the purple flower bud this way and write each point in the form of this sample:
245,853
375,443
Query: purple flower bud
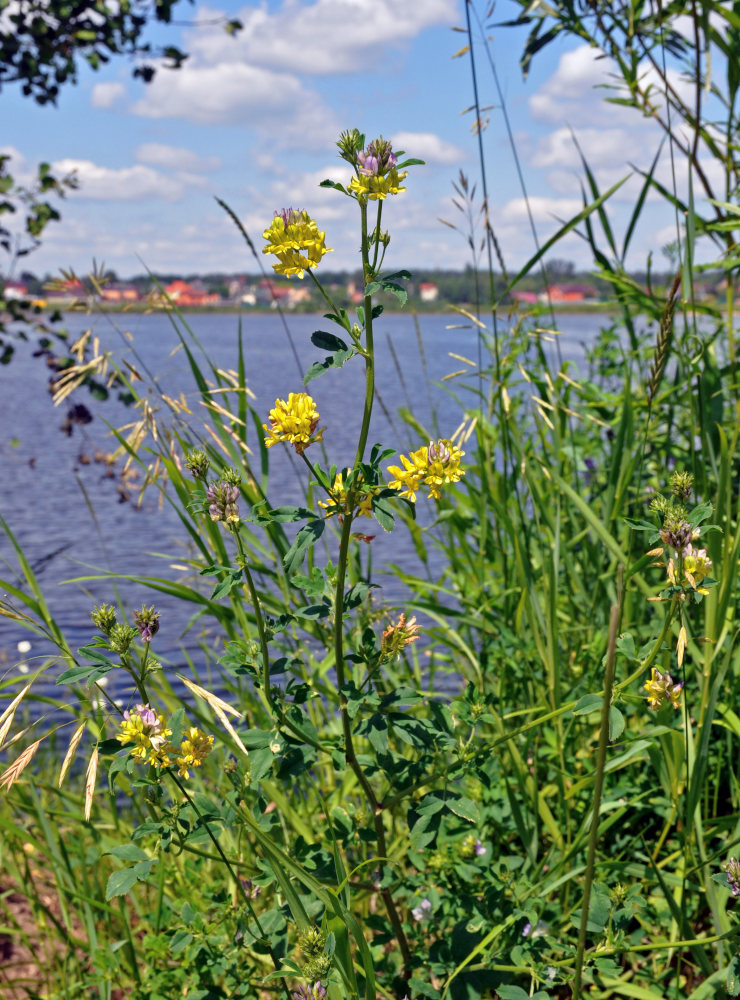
369,165
289,216
438,452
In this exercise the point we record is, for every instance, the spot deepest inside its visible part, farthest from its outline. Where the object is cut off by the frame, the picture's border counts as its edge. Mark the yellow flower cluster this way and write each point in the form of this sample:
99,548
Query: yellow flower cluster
340,500
432,467
696,565
193,751
377,186
662,690
294,421
294,238
147,730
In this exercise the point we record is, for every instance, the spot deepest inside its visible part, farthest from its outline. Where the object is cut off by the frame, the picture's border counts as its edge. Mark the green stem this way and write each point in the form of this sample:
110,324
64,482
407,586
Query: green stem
369,346
377,242
325,296
593,839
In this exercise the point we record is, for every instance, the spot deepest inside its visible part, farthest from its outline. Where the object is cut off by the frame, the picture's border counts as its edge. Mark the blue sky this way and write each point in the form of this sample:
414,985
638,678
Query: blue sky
253,120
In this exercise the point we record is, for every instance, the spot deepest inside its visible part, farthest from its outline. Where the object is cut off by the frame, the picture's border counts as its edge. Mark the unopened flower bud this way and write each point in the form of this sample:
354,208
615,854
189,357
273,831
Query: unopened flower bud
681,485
232,477
120,638
311,941
104,618
349,144
318,967
198,464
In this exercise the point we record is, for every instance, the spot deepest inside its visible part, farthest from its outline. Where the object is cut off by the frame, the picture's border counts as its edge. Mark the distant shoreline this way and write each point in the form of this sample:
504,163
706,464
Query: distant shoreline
560,308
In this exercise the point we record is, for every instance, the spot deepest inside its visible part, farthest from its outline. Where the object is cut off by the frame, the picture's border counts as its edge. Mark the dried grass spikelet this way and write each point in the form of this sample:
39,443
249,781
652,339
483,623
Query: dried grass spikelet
663,342
220,708
71,751
12,773
681,645
6,719
90,779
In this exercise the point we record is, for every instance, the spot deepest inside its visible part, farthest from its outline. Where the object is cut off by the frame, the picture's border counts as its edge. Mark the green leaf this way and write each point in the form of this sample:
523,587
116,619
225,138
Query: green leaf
588,703
512,993
638,525
616,723
465,808
732,984
331,361
306,537
328,341
626,645
120,882
85,672
383,512
231,580
281,515
128,852
333,184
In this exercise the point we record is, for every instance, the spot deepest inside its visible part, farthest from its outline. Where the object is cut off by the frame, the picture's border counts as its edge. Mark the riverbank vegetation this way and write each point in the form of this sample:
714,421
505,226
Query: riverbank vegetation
334,822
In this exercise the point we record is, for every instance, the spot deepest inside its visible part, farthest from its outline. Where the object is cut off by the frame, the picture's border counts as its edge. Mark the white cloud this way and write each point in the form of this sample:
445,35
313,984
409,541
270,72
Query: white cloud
569,92
324,37
600,147
236,94
119,183
428,146
542,208
177,157
105,95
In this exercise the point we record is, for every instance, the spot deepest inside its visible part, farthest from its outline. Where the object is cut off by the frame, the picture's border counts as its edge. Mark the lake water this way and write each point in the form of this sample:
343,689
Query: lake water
66,514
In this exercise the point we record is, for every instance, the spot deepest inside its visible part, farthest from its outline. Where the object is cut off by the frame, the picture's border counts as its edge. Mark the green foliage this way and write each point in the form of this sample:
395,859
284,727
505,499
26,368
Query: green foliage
532,791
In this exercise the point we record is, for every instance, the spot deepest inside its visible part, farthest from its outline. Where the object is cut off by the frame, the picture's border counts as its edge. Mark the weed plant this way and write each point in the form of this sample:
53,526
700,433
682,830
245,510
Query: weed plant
332,824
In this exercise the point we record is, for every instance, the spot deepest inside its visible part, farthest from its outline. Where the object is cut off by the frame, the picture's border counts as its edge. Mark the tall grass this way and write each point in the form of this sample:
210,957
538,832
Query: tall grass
563,824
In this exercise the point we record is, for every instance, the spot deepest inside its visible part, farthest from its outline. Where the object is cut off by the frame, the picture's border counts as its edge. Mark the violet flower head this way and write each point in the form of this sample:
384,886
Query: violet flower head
150,721
315,992
732,871
377,159
222,500
422,912
676,533
147,622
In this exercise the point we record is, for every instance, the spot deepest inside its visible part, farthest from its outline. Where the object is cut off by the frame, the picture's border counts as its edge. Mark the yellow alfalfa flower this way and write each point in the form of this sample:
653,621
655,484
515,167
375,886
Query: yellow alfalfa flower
409,478
443,466
377,174
340,500
193,751
662,690
696,566
294,421
295,239
434,467
147,730
376,187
